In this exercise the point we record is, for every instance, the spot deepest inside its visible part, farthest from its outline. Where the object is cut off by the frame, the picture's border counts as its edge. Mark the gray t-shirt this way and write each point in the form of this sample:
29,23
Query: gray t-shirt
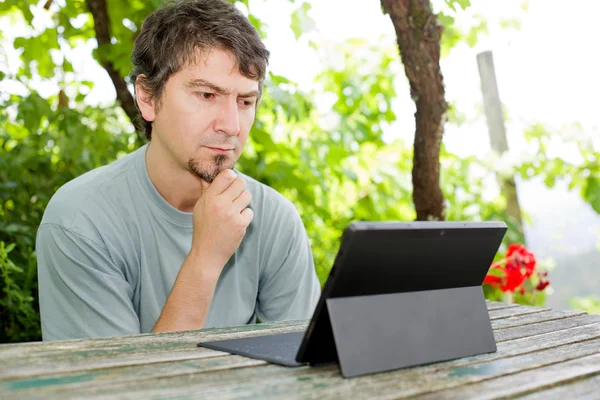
109,249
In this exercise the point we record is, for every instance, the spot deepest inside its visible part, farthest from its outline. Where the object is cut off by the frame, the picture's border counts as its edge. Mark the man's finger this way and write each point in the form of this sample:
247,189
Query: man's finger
236,188
242,201
222,181
247,215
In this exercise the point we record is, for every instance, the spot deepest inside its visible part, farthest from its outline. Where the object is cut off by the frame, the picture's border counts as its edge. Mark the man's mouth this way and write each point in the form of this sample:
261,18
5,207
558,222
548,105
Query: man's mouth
220,149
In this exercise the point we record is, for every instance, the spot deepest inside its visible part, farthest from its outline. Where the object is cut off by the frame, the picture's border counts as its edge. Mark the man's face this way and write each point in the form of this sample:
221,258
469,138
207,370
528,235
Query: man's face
205,114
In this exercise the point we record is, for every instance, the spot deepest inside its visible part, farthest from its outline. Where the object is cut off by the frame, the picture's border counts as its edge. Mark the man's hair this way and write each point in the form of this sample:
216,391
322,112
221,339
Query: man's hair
172,34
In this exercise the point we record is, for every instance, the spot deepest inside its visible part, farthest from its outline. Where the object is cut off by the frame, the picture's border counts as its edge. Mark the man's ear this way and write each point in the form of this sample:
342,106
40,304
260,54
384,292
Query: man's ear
144,100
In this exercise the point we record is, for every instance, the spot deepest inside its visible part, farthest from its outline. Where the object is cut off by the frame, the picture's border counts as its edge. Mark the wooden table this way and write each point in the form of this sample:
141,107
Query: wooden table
542,354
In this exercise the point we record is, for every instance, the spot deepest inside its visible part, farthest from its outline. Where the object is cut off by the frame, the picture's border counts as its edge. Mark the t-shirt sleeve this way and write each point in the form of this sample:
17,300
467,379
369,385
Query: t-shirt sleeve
289,287
82,293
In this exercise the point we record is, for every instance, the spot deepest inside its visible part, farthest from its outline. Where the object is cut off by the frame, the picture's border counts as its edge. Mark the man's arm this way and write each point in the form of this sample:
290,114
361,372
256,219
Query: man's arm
289,288
82,293
188,303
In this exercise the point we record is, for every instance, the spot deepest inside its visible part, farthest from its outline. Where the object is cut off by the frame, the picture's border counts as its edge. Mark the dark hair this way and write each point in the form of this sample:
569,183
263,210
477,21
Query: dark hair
171,34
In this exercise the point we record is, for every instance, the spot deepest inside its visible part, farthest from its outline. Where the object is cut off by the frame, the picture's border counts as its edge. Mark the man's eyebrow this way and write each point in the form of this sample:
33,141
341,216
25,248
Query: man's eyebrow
195,83
253,93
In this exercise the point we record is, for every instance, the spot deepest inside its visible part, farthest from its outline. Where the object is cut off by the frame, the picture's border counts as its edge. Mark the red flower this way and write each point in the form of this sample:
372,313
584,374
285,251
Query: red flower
519,255
514,278
518,266
493,280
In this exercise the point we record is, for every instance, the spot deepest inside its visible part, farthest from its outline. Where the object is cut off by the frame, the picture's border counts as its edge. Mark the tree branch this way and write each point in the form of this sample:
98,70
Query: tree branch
418,36
99,12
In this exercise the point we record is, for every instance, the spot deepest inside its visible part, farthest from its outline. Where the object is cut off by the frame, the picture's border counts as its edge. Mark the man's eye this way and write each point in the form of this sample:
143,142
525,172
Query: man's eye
207,96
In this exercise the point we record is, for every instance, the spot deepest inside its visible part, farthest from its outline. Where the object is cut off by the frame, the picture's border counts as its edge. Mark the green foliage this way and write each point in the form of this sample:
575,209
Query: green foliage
40,150
590,304
18,313
581,173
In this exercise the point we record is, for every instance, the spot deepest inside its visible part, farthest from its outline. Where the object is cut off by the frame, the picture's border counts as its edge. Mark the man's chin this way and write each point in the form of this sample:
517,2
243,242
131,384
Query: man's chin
208,171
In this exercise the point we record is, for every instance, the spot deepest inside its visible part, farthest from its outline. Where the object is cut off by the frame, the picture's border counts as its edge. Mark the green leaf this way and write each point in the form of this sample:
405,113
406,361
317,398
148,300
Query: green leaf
460,3
481,28
258,24
511,23
37,49
301,21
446,20
450,3
464,4
67,66
591,193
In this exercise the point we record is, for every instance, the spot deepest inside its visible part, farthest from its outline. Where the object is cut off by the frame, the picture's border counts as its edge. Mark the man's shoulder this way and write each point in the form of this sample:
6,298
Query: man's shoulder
87,195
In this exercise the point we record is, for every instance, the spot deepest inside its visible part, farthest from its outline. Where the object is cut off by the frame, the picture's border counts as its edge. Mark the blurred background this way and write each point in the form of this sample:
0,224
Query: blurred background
336,125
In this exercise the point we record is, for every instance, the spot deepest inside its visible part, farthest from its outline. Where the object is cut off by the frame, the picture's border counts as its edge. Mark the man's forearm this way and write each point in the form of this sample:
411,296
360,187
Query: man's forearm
188,303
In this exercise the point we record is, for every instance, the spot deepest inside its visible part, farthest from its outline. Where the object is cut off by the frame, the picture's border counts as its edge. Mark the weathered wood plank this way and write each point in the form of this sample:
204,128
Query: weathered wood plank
131,354
515,311
494,305
44,385
8,352
581,389
411,382
271,373
128,352
117,355
67,356
518,332
526,319
326,382
526,382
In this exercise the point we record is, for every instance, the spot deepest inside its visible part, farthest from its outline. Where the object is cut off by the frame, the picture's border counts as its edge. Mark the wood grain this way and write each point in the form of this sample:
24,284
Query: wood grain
522,331
510,322
126,352
31,359
514,311
56,383
494,305
80,355
540,351
274,378
528,381
326,381
581,389
8,352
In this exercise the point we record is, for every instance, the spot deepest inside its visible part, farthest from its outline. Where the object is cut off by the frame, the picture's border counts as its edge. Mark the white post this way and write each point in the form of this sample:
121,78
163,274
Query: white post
495,123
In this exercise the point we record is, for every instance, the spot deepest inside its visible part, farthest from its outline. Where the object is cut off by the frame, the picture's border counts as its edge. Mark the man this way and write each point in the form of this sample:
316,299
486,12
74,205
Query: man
169,237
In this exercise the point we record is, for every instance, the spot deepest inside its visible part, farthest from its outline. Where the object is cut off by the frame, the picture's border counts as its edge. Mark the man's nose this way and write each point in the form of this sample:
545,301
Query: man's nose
228,120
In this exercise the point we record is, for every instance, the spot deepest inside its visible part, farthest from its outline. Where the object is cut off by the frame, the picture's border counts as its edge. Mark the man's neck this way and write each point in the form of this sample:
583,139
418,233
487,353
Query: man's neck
175,184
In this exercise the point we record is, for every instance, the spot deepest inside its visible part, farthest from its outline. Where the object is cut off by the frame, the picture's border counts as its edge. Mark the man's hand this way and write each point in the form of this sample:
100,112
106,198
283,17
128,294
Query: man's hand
221,217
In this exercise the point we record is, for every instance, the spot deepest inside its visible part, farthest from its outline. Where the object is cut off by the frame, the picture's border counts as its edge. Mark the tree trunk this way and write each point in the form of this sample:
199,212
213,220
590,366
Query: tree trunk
418,34
99,12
